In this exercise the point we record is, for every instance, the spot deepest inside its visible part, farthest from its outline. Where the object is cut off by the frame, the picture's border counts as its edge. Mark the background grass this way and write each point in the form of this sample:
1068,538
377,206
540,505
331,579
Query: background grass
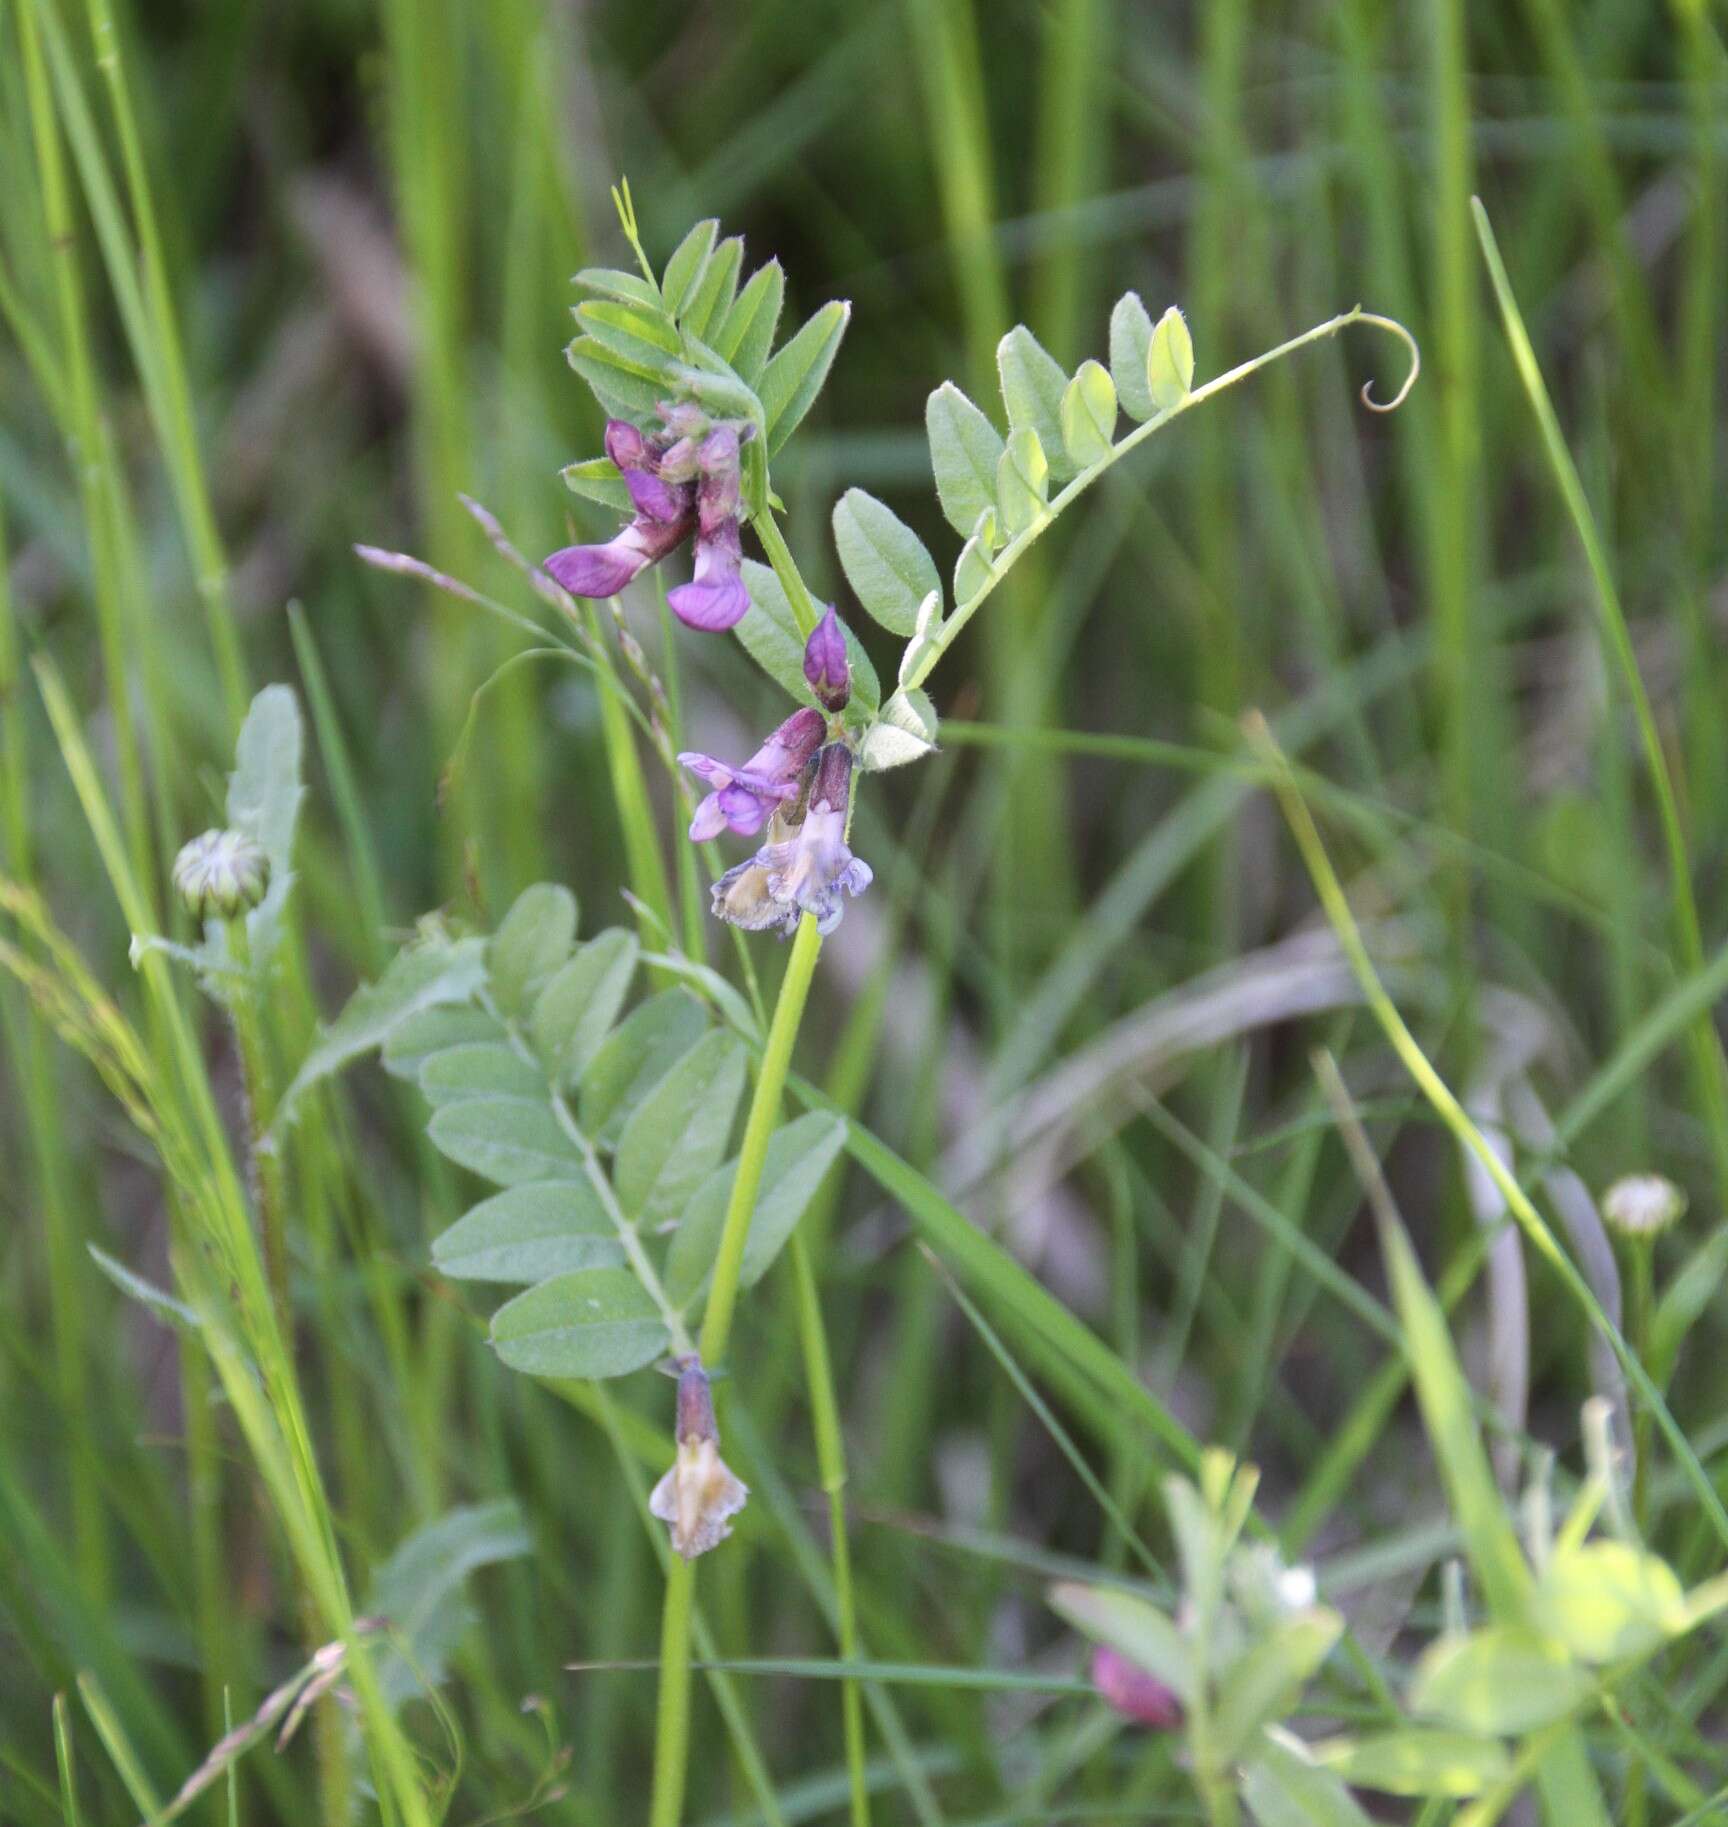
274,281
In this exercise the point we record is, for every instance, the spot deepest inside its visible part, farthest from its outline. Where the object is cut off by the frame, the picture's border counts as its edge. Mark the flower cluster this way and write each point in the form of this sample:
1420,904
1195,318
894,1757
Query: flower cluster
799,786
684,480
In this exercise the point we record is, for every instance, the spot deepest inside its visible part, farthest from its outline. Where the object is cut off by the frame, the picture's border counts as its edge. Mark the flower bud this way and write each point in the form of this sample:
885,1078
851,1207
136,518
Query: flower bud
1642,1205
826,666
833,789
625,445
221,874
1133,1692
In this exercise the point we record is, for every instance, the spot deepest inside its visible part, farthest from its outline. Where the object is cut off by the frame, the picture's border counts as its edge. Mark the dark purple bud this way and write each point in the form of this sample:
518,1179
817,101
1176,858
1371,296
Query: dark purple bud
1133,1692
625,445
715,598
695,1404
833,786
825,664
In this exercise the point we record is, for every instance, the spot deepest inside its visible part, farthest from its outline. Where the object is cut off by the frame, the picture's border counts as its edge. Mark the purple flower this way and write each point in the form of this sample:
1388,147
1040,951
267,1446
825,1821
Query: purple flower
744,798
604,570
665,516
826,666
811,870
715,598
1133,1692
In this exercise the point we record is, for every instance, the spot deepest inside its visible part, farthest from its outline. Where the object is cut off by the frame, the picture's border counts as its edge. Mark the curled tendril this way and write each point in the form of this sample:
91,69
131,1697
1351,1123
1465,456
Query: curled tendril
1397,329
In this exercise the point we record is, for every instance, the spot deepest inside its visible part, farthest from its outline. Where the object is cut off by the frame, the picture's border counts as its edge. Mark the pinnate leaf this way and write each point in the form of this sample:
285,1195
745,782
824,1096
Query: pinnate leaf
1089,415
542,1228
589,1323
1417,1760
531,942
679,1131
1170,361
1130,344
792,380
746,334
1032,387
507,1140
413,1041
965,449
478,1068
575,1011
1022,482
426,974
634,1058
682,279
1132,1626
799,1154
886,563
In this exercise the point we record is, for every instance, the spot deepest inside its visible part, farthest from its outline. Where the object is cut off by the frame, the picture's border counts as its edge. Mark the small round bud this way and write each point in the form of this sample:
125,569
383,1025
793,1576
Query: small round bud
1642,1205
221,874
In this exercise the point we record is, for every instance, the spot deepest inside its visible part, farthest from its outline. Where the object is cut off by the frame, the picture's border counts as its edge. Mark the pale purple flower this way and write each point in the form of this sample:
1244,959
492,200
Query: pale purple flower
826,667
1133,1692
665,517
741,895
715,598
744,798
811,870
700,1495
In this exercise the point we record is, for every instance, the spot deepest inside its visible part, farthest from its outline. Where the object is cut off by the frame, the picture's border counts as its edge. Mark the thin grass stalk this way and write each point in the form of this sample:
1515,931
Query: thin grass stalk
1458,1121
1709,1065
831,1463
1463,683
260,1381
88,446
177,426
27,1045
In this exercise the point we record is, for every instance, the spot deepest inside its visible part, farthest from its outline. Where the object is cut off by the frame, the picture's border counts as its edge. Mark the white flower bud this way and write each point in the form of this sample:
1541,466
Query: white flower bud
1642,1205
221,874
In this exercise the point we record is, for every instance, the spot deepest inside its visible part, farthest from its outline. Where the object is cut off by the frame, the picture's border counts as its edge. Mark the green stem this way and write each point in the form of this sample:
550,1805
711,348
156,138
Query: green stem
804,611
263,1165
1641,1306
672,1714
1709,1064
831,1460
758,1127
